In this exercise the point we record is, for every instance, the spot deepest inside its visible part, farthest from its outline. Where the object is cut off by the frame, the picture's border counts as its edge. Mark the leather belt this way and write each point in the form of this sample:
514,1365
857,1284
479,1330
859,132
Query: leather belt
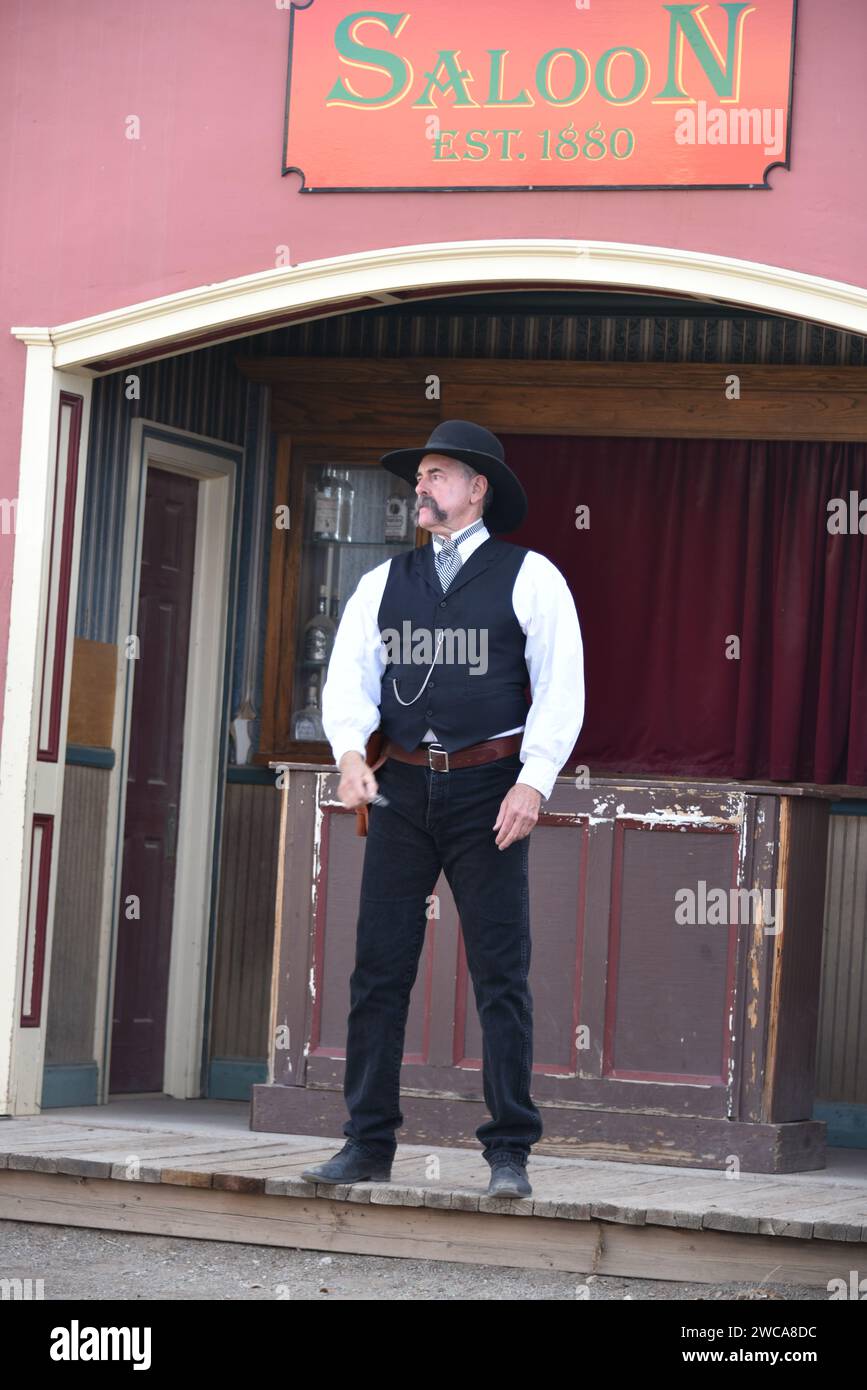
439,760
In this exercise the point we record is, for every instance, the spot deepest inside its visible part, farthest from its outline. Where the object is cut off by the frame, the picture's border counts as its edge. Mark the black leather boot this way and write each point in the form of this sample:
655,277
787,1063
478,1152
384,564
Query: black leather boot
509,1179
351,1164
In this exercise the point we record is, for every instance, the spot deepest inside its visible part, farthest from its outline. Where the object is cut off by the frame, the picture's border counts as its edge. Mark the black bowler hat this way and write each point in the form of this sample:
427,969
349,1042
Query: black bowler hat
482,450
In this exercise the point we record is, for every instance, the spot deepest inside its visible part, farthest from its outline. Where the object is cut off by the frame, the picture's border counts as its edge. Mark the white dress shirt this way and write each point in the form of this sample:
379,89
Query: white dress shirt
545,609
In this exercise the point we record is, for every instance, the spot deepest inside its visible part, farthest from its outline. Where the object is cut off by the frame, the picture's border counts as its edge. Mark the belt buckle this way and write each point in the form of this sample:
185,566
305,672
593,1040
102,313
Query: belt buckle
437,751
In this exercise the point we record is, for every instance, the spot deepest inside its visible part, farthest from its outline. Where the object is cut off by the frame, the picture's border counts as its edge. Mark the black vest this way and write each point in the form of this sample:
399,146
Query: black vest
462,702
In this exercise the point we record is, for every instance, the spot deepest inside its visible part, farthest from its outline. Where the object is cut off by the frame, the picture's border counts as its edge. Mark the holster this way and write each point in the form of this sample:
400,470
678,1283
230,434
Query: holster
374,757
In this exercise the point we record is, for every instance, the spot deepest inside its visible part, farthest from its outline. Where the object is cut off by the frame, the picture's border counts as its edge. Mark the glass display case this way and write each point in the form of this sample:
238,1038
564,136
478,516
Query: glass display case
354,517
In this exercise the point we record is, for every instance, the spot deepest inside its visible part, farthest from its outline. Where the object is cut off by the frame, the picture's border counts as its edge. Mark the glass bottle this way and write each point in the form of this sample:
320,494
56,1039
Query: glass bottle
318,637
396,517
326,506
307,722
346,493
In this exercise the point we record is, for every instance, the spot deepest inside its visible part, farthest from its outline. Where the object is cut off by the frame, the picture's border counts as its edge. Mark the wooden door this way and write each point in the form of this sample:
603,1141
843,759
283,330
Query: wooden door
154,783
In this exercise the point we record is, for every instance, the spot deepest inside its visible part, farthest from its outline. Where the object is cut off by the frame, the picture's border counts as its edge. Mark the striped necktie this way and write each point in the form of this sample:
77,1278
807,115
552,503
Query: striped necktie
448,562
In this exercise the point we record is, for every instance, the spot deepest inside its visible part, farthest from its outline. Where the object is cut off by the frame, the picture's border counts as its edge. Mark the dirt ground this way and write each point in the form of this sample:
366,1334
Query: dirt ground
77,1263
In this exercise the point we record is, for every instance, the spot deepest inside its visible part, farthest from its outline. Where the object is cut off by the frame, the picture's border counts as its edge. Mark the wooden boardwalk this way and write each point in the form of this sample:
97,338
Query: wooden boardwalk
195,1169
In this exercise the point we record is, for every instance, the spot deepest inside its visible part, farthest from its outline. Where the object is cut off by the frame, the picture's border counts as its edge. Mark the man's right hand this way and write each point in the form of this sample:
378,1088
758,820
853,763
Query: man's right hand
358,785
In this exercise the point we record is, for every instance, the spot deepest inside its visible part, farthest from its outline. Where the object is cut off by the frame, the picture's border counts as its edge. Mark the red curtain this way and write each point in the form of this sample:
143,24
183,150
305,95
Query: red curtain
692,543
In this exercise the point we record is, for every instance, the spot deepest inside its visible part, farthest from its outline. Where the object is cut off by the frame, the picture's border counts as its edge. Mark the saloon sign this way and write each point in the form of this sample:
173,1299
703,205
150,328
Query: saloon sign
483,94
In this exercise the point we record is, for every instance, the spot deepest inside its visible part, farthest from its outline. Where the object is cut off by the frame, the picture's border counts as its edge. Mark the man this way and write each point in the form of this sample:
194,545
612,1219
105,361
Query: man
466,768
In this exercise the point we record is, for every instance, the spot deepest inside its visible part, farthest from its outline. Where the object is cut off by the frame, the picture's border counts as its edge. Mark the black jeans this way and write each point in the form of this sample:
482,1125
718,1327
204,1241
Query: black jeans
442,821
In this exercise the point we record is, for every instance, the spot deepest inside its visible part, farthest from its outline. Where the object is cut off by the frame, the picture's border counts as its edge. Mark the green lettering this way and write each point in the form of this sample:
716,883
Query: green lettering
496,87
506,142
439,145
641,75
476,141
454,80
391,65
721,79
582,76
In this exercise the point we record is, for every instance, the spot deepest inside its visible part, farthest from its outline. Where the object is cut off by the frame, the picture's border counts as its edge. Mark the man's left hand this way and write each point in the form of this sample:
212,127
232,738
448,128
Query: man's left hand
519,812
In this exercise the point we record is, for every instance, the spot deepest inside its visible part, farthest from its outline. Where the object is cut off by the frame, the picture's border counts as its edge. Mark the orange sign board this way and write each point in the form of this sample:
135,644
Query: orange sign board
482,94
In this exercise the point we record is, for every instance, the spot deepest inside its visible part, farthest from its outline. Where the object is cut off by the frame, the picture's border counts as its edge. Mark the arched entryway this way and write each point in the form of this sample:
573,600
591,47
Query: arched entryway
61,361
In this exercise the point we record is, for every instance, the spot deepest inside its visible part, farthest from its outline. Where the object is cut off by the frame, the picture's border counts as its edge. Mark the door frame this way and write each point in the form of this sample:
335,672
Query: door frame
217,468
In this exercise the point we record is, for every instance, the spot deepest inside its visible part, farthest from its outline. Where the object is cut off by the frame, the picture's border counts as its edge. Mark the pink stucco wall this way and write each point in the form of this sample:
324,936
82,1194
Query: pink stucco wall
92,221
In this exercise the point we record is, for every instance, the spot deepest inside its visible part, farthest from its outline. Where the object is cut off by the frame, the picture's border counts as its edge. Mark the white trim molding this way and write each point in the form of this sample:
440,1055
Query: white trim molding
38,671
318,288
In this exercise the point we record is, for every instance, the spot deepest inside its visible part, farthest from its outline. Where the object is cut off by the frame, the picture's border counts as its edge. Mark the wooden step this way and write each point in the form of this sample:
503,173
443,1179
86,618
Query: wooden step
585,1216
